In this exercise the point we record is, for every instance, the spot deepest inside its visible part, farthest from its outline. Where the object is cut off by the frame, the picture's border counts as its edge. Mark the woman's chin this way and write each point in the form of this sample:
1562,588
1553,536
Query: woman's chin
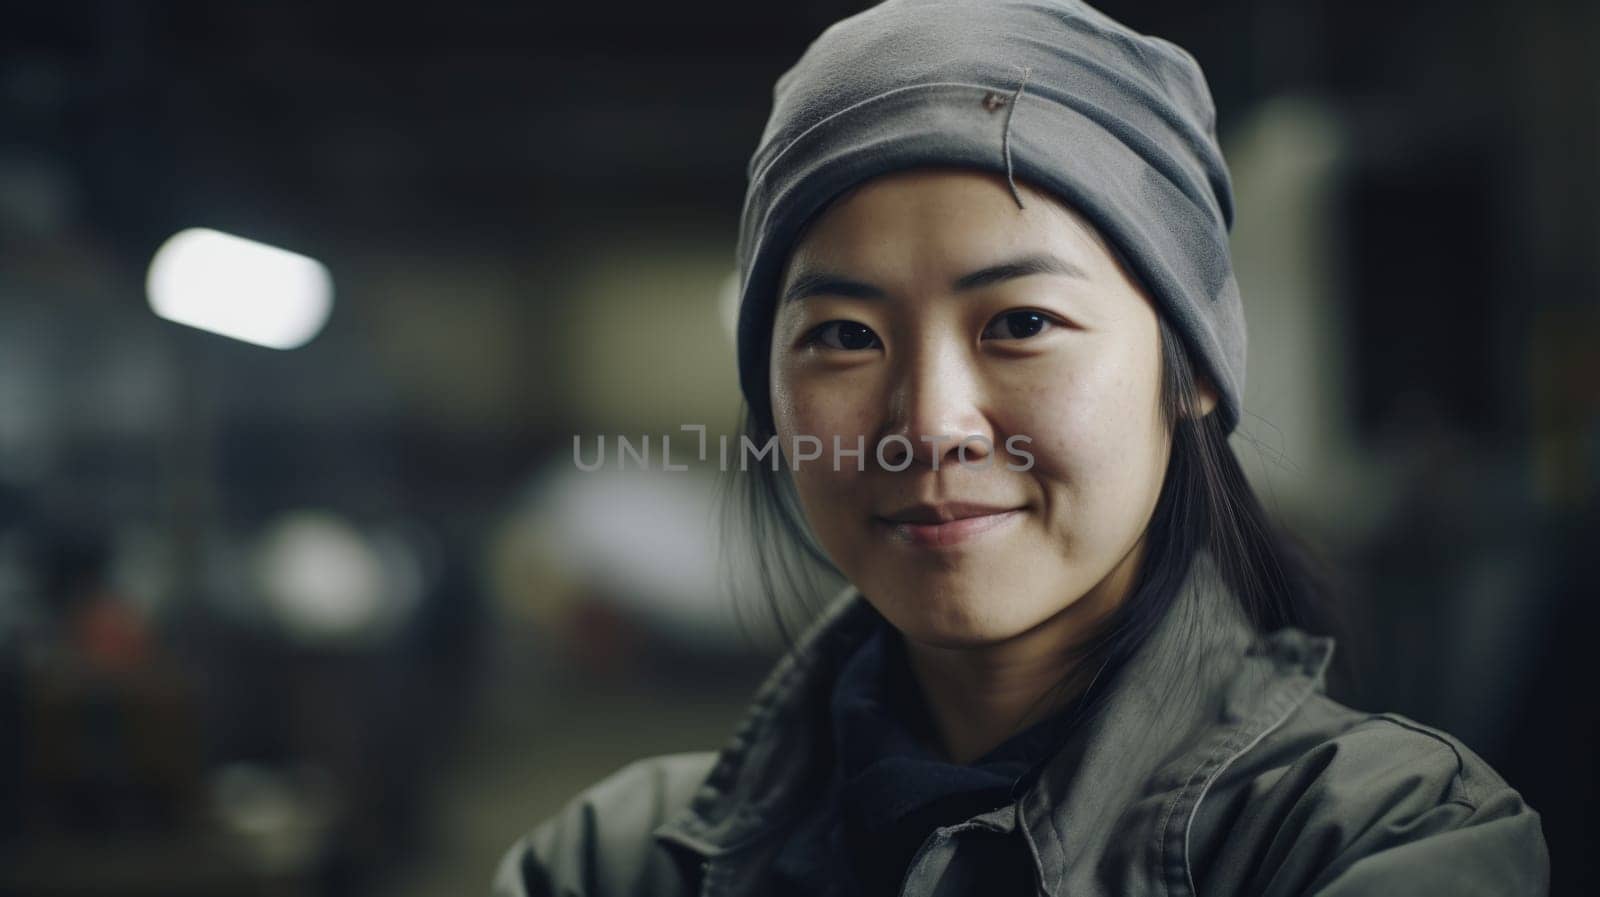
957,622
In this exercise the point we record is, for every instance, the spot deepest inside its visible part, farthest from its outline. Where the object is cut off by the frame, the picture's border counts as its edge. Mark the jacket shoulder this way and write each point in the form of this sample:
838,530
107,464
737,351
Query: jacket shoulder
600,844
1363,746
1343,802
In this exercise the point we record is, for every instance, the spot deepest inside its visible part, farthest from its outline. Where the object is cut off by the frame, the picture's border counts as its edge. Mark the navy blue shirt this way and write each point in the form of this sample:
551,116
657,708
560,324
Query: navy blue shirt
890,789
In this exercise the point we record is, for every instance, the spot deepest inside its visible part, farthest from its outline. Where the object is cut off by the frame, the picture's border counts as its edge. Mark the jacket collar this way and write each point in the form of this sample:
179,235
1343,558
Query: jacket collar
783,742
1203,665
1204,686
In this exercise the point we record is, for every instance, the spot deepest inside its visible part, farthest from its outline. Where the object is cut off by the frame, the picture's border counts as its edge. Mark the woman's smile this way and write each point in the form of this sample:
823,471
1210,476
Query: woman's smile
948,525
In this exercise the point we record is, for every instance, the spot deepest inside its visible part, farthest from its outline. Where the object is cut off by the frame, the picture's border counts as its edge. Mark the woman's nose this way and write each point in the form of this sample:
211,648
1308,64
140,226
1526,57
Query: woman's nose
935,415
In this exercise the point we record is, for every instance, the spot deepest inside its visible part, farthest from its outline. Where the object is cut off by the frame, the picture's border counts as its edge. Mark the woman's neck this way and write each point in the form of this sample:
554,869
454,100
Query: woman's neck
980,696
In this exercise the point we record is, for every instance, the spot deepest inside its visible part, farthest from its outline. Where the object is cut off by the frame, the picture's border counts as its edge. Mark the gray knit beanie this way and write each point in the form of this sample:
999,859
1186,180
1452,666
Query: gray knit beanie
1118,124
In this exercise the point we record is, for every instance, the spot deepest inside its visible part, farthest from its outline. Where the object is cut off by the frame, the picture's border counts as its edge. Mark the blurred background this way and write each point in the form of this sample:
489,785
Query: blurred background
328,609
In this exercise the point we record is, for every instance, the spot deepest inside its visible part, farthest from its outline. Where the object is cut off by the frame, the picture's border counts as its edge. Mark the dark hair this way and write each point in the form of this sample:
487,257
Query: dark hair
1205,502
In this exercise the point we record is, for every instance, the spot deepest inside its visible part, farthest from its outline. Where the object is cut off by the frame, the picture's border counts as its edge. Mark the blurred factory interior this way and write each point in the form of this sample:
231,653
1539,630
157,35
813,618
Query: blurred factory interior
344,618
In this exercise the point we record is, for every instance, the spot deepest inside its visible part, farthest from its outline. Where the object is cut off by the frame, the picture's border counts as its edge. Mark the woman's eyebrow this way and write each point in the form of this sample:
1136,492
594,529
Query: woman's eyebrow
812,283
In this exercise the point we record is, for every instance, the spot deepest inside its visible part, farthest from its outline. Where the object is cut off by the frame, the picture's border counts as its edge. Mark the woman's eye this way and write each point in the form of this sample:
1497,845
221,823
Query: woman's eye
1017,325
847,335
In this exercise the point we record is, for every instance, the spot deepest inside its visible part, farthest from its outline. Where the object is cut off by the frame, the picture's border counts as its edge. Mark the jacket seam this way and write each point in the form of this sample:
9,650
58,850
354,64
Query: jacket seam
1033,849
1458,777
1188,783
1294,701
1289,700
1061,838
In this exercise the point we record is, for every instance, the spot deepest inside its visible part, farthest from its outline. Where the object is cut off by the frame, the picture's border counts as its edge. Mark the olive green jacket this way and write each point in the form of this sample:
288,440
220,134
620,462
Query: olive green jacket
1216,767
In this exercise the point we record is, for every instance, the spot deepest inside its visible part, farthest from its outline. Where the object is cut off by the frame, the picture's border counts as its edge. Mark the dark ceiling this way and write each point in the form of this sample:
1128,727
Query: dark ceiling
463,121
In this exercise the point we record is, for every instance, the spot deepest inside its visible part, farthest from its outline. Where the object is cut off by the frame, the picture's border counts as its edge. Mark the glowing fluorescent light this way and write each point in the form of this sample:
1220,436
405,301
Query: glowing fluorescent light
239,288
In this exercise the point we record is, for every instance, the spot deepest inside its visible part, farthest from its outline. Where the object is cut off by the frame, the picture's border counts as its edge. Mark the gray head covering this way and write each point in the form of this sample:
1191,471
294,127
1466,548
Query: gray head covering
1118,124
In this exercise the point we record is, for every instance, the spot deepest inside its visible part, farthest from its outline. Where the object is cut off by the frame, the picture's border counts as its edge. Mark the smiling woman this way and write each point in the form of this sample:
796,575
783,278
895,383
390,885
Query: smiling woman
1097,673
1065,354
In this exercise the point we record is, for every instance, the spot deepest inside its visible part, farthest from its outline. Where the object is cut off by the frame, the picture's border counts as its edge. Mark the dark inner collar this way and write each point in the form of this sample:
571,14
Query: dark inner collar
893,787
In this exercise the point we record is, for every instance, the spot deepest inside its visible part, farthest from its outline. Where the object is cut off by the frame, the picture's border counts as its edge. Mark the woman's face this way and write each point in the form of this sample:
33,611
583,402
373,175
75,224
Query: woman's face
926,305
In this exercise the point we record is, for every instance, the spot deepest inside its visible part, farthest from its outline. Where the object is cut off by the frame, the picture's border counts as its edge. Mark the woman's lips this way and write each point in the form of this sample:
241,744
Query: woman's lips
951,532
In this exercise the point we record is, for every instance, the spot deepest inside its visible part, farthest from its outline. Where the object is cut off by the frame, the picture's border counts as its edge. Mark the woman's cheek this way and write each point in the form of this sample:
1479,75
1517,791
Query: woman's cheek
822,407
1102,450
792,407
806,429
1062,421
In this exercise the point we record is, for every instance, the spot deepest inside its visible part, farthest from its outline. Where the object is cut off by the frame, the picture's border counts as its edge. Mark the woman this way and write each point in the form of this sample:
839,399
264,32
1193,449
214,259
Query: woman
990,318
